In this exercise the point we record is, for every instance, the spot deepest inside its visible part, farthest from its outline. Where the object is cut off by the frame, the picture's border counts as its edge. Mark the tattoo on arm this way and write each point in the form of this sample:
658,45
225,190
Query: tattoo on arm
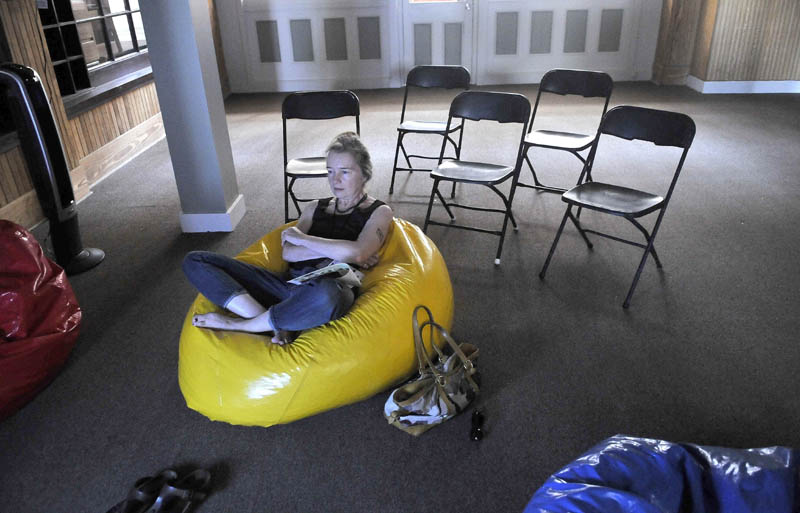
380,235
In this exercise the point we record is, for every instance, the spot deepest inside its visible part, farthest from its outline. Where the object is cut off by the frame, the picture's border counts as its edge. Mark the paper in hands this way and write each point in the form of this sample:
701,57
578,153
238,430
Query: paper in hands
343,272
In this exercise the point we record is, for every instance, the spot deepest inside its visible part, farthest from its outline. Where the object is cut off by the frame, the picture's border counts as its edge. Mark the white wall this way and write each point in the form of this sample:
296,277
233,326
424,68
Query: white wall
247,73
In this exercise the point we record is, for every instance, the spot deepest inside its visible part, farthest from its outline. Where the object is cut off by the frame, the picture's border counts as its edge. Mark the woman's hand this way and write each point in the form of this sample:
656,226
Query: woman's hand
370,262
298,245
292,235
293,246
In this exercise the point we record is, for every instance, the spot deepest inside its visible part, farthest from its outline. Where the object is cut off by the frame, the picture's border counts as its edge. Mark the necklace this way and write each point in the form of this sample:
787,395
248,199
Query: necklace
351,209
341,221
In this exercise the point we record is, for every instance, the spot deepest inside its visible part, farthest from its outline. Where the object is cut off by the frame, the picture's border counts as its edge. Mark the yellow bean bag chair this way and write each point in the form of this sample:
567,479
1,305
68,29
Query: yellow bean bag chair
242,378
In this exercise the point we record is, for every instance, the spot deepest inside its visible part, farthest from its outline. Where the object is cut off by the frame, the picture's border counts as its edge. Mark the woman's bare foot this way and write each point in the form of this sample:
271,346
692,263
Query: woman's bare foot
283,337
213,320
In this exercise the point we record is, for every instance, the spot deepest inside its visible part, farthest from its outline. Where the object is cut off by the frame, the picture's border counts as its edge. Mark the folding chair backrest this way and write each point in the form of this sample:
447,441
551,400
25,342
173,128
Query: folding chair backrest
589,84
320,105
447,77
489,105
443,77
661,127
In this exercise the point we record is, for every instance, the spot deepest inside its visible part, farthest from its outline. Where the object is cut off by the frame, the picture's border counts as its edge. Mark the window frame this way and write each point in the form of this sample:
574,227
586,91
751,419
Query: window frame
103,79
105,20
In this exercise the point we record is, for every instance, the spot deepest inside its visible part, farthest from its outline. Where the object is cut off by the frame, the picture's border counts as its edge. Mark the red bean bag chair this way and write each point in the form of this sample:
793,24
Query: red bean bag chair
39,318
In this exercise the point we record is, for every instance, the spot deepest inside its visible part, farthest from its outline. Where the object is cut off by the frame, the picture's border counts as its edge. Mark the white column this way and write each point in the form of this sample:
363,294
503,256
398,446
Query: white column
187,81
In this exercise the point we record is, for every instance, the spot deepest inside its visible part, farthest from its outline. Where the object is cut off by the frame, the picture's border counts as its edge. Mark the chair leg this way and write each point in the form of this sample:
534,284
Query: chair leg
507,204
508,216
457,152
555,243
533,171
649,238
455,146
434,190
396,155
294,200
405,155
647,251
580,228
588,178
502,239
445,205
285,198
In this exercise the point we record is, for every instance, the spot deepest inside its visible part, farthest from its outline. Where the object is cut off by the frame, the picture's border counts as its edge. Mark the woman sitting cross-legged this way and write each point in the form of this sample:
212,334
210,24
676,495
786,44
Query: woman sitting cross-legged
349,227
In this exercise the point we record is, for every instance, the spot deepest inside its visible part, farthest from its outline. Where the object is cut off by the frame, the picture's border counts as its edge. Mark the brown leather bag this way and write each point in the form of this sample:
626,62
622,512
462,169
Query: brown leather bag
443,388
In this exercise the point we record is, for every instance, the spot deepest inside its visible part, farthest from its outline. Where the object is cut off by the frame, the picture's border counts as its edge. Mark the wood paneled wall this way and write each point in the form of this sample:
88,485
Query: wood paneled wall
91,131
728,40
755,41
81,135
26,44
676,39
105,123
14,178
702,44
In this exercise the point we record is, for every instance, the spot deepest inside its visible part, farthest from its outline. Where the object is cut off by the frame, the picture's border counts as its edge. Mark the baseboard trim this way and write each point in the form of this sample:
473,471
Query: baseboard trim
262,86
214,222
25,211
743,86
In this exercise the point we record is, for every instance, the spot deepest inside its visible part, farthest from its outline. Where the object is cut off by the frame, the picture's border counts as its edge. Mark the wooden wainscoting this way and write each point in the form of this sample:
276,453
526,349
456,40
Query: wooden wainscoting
109,136
18,201
26,43
105,123
110,129
112,156
756,41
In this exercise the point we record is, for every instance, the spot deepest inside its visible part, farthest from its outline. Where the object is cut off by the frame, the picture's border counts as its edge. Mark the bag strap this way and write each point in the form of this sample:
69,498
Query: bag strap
466,363
426,365
419,344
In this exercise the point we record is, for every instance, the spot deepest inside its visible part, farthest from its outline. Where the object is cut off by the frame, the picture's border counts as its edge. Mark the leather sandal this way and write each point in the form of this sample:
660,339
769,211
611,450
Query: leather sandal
179,496
144,492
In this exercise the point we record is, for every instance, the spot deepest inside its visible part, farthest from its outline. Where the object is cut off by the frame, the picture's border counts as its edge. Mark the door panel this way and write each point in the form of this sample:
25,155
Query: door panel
437,32
520,40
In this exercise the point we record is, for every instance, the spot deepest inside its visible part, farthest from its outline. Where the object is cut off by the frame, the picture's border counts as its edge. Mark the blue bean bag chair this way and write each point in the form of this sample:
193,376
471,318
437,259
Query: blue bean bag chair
639,475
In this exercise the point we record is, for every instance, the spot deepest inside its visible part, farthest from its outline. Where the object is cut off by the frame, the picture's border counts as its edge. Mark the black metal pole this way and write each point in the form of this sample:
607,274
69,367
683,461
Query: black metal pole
47,164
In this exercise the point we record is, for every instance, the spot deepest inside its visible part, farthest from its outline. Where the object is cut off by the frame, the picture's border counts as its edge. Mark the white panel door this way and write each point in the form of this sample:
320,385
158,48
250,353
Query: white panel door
437,32
520,40
291,45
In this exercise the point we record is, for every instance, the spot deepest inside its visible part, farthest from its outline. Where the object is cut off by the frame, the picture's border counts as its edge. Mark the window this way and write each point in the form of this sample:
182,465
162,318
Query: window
92,42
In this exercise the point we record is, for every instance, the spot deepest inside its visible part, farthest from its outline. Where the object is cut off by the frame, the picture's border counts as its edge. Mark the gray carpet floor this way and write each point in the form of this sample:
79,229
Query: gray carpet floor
707,353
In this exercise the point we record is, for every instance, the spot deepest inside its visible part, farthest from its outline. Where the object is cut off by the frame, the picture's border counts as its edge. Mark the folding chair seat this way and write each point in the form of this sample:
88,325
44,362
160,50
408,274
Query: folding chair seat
428,77
312,105
663,128
565,82
481,106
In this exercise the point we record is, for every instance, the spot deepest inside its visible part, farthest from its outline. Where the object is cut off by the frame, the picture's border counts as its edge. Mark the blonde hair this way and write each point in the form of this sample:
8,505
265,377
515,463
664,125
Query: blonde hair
349,142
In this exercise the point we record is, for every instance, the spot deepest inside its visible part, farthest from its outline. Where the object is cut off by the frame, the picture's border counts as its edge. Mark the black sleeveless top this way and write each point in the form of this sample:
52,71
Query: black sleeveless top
333,226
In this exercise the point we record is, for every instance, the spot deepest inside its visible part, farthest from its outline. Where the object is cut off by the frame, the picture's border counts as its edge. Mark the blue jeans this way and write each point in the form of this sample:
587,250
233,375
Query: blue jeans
292,307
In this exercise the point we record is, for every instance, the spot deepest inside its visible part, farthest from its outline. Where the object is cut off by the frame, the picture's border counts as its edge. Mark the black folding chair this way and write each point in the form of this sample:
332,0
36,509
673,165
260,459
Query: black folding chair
312,105
428,77
662,128
478,106
565,82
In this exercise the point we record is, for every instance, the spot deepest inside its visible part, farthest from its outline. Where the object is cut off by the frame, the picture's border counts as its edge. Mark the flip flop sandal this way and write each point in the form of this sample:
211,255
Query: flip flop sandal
144,492
179,496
